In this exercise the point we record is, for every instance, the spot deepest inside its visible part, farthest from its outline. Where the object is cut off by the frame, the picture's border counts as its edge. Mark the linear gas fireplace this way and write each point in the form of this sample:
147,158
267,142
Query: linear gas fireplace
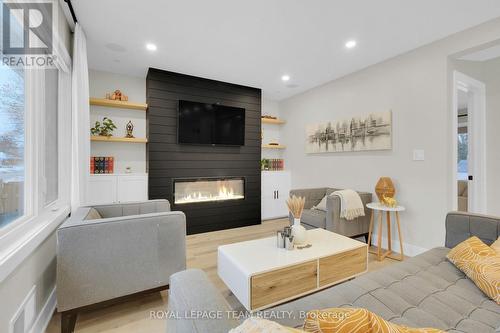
189,191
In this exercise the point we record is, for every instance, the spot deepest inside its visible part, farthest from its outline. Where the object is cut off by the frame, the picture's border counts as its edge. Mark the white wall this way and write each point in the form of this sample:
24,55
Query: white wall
416,87
126,154
38,270
488,72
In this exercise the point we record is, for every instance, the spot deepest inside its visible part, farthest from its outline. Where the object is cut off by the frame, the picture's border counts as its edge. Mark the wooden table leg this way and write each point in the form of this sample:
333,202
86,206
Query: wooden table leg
379,240
370,230
389,242
400,236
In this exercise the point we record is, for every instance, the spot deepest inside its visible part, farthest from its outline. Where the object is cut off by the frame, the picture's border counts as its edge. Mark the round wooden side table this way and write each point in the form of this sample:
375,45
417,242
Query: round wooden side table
380,208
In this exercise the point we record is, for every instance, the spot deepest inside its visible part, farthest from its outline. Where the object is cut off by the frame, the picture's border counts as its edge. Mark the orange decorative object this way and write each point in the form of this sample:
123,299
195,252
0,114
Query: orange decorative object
384,187
117,95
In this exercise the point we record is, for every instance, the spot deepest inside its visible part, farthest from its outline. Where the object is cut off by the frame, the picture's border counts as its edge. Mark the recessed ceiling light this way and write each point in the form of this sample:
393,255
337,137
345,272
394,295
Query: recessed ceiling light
350,44
151,47
285,78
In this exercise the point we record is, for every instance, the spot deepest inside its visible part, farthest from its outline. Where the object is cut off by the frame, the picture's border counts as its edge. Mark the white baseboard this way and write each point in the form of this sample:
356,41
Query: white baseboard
43,319
409,250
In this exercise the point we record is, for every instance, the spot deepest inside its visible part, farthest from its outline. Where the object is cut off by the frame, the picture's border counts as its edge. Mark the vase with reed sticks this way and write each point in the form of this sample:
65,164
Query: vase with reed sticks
296,207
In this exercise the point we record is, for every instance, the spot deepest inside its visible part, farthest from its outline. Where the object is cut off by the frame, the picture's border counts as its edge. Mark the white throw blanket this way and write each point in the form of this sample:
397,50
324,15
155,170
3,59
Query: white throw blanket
351,205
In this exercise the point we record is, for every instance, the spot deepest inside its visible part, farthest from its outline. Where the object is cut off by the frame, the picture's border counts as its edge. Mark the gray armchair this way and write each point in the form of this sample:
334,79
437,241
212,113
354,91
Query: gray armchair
330,220
107,252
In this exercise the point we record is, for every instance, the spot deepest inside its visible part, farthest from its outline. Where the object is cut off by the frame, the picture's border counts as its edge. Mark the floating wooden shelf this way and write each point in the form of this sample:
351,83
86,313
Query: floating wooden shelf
273,146
117,139
118,104
272,121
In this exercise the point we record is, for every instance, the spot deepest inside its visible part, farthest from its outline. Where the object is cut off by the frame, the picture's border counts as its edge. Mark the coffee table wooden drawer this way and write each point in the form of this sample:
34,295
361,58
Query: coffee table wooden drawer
284,283
342,266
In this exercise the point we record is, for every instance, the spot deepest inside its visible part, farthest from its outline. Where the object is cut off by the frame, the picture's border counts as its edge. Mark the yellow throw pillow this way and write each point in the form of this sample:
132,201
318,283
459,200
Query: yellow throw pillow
496,246
353,320
259,325
480,263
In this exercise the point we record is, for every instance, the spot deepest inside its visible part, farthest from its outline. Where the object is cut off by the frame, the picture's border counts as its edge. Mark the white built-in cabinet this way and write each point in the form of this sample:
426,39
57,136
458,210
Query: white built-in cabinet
275,190
114,188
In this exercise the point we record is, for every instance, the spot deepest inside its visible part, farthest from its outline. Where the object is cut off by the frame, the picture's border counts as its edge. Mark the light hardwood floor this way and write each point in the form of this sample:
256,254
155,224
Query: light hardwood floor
134,316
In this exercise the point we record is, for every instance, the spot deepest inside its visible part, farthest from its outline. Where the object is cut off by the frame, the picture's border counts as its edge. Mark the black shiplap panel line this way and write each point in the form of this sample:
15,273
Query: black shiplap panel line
171,87
172,112
155,156
192,81
169,97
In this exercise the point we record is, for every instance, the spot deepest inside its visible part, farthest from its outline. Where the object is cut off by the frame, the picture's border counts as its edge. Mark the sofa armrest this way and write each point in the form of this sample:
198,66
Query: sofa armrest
102,259
313,195
336,224
191,291
133,208
460,226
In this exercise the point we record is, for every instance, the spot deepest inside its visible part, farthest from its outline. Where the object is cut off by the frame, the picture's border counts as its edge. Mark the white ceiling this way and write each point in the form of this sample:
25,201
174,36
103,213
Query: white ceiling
255,42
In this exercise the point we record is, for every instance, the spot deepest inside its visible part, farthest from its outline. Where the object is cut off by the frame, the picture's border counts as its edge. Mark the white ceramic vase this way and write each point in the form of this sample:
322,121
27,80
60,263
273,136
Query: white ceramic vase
298,233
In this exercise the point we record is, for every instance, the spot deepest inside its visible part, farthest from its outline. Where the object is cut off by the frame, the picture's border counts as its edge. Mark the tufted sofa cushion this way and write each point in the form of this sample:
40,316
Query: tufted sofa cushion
423,291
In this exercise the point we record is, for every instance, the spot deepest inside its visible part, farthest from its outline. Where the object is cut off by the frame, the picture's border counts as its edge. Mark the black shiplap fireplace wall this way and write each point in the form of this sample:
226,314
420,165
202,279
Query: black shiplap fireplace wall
168,160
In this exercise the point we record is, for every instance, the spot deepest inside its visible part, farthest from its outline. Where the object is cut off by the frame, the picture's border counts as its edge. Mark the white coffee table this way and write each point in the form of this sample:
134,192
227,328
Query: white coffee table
262,275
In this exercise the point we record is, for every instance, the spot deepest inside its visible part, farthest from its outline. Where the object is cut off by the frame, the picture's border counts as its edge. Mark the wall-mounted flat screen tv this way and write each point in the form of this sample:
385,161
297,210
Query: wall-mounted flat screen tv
210,124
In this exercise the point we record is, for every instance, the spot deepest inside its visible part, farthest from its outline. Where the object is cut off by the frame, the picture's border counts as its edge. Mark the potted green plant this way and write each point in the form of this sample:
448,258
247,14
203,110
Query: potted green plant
105,128
264,164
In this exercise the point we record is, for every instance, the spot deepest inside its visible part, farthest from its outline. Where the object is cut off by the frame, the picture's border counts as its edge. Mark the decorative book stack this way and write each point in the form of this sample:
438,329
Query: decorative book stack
276,164
101,164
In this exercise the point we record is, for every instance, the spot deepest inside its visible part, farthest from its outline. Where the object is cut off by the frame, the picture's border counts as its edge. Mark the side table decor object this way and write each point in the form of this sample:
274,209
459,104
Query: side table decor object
296,207
381,209
385,188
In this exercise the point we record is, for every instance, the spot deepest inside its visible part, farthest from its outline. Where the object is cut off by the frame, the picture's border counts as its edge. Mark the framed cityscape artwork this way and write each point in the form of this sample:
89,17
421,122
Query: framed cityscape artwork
372,131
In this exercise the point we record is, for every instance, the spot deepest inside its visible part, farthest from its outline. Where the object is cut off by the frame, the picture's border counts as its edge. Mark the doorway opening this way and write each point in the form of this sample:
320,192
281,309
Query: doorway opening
469,155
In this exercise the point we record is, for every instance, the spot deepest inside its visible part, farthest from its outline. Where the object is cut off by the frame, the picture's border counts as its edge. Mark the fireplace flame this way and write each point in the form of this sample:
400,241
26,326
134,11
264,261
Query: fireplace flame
220,193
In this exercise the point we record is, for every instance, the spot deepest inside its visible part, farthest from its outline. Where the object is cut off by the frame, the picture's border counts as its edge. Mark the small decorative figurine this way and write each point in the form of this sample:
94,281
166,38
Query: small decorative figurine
130,129
117,95
389,202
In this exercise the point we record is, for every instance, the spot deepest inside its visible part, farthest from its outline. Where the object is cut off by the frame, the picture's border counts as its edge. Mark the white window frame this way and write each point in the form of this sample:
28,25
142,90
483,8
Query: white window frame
22,236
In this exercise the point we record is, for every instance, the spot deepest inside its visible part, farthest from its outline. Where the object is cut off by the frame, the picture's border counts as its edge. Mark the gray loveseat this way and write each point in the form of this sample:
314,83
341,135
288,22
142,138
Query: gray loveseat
423,291
330,219
108,252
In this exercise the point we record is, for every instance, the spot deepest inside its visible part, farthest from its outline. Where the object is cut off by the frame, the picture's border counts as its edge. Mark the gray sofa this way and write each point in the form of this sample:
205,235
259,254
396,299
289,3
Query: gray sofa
330,220
108,252
423,291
